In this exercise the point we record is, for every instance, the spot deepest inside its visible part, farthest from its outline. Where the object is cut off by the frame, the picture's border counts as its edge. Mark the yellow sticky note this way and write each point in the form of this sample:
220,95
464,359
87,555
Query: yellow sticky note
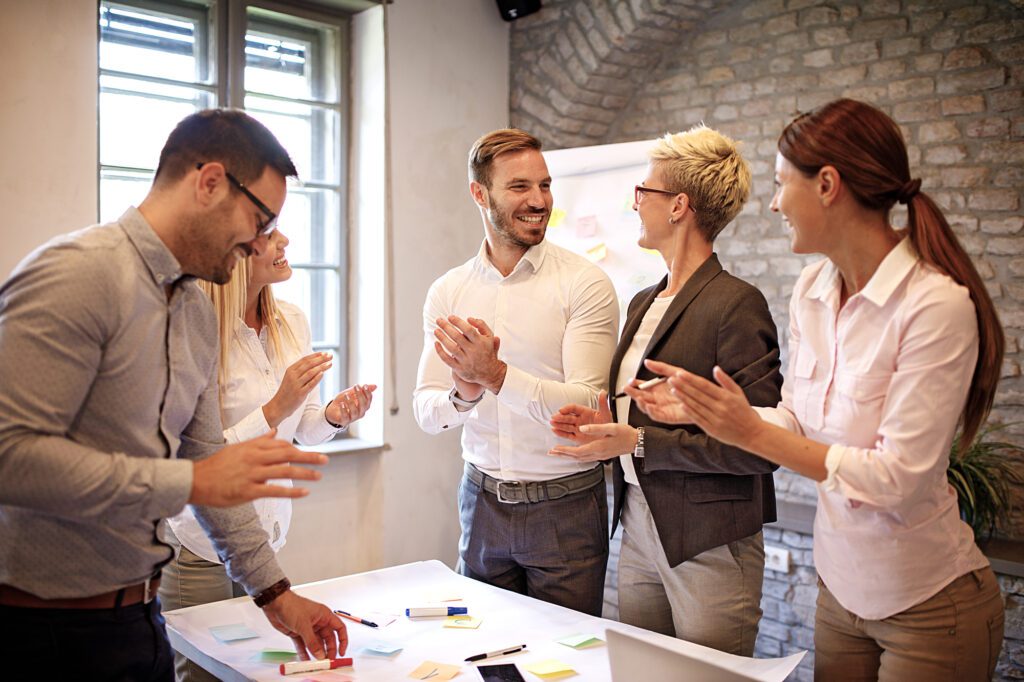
432,670
550,669
467,622
557,217
597,253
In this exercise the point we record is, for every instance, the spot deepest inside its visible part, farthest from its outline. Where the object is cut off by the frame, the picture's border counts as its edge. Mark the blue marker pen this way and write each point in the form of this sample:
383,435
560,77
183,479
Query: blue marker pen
436,611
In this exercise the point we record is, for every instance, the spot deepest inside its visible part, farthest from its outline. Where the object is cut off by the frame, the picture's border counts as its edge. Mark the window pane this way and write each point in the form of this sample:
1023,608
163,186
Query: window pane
310,221
150,43
309,133
289,57
118,191
316,292
133,128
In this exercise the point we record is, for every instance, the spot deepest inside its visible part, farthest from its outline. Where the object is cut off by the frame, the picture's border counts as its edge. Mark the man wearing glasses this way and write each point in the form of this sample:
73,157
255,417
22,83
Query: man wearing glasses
109,417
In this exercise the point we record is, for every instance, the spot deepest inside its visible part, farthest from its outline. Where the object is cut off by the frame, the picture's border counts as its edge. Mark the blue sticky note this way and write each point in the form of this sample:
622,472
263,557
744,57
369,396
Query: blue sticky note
381,649
233,632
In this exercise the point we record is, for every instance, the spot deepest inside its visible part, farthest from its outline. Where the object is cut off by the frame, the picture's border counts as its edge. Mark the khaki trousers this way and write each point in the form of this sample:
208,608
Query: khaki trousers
713,599
955,635
190,580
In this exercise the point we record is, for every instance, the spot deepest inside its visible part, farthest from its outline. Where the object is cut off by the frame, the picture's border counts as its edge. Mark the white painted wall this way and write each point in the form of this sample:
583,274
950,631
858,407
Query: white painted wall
47,123
449,67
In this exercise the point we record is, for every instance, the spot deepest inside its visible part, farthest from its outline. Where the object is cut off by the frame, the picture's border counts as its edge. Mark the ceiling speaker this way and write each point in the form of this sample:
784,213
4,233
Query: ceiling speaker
513,9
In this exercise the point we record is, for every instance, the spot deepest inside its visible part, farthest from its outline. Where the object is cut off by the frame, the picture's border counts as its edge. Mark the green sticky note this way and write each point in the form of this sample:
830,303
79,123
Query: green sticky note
233,632
580,641
276,656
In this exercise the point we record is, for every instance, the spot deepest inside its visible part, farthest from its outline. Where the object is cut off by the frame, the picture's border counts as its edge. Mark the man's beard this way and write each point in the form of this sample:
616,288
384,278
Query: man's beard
203,253
503,224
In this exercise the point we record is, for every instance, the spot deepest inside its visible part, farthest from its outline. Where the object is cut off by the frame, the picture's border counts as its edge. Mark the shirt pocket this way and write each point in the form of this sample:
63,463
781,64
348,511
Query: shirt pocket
859,399
804,368
862,388
718,488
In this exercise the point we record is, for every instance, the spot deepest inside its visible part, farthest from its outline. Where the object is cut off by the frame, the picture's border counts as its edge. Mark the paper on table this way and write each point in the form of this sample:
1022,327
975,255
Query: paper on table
580,641
328,677
381,649
432,670
233,632
275,656
550,669
465,622
440,596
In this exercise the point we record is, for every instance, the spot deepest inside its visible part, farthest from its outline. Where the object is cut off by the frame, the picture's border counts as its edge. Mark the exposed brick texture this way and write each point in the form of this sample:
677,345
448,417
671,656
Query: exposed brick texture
951,72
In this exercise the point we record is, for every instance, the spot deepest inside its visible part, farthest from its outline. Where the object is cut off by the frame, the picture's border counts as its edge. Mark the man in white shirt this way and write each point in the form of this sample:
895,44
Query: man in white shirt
510,336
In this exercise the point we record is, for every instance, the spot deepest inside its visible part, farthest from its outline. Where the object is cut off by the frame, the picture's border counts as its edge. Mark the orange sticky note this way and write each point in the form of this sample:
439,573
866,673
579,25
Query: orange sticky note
432,670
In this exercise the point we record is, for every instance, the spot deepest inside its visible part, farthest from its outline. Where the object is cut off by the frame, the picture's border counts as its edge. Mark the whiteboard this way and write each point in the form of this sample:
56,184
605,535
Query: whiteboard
593,212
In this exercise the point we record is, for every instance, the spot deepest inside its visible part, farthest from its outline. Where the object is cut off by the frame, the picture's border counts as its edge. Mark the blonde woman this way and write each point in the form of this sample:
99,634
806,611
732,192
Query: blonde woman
267,381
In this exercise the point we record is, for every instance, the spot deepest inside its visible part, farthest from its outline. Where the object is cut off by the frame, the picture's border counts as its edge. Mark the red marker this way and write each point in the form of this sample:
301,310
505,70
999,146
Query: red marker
314,666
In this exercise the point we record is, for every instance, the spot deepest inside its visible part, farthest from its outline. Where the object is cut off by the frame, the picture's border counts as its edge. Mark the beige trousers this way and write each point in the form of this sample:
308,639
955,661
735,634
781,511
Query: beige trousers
955,635
190,580
713,599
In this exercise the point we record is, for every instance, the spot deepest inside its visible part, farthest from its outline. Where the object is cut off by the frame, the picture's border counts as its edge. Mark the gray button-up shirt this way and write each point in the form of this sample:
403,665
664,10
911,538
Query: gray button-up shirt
108,387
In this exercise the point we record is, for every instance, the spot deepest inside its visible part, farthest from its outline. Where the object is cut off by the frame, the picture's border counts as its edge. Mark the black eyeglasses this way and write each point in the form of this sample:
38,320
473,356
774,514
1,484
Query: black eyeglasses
638,193
264,228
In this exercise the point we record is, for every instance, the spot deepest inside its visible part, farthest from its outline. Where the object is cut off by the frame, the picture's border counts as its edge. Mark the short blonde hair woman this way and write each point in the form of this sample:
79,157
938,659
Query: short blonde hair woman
268,377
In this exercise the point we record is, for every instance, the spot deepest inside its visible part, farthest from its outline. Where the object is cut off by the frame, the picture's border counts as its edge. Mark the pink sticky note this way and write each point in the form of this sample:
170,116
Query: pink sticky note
586,226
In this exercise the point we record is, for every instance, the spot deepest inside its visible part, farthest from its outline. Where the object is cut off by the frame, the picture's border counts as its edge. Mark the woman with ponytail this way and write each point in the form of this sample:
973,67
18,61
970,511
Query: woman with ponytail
894,344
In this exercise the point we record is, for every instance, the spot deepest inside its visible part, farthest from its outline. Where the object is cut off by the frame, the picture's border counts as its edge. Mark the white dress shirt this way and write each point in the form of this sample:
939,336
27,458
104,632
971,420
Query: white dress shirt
883,381
557,315
253,379
630,367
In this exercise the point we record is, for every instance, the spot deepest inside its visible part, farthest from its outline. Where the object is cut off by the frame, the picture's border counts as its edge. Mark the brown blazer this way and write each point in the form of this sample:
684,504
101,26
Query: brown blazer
704,494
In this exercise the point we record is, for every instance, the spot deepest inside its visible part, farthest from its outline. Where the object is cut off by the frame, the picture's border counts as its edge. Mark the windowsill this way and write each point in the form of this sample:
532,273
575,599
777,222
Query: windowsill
1006,556
347,446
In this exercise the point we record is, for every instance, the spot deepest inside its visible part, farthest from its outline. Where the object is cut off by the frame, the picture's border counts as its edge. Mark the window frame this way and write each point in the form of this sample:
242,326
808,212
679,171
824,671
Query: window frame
224,26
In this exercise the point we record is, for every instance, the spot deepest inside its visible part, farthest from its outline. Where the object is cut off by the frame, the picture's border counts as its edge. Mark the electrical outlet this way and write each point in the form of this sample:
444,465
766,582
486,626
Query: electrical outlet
776,558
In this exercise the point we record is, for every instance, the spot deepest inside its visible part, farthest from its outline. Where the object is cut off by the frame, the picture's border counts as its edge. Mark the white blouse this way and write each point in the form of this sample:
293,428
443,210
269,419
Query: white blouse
253,380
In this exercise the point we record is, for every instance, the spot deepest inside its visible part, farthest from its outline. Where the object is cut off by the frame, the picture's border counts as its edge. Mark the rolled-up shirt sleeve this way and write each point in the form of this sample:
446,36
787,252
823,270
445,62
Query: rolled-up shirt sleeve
587,348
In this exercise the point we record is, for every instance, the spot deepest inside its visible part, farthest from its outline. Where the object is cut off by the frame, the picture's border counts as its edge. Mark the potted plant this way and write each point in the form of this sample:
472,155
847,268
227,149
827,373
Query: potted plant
983,476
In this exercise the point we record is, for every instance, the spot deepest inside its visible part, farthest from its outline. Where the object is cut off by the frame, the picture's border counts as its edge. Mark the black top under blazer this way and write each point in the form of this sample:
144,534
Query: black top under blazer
703,494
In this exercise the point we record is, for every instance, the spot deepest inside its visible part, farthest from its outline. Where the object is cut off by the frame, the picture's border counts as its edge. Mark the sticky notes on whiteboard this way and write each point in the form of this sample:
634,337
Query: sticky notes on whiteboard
596,254
557,217
586,226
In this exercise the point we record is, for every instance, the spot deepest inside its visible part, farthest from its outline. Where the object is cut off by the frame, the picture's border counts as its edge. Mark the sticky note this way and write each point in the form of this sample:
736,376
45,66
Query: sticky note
586,226
467,622
441,596
580,641
557,217
276,656
233,632
432,670
381,649
550,669
596,254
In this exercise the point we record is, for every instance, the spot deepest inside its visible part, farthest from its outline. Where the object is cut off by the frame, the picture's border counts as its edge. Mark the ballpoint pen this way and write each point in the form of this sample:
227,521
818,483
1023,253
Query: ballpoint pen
346,614
495,654
643,387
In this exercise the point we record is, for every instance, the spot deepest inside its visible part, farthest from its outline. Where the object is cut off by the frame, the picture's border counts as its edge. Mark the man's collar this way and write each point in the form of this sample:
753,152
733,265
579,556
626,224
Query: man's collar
163,266
534,257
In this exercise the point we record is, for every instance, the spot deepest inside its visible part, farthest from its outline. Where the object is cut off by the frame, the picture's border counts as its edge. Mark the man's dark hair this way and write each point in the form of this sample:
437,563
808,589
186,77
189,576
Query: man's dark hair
244,145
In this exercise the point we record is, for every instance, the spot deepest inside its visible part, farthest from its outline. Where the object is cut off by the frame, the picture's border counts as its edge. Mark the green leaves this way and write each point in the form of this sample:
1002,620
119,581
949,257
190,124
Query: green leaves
983,476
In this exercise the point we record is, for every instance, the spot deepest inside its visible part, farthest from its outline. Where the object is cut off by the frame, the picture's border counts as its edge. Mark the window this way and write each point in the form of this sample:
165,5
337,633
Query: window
160,60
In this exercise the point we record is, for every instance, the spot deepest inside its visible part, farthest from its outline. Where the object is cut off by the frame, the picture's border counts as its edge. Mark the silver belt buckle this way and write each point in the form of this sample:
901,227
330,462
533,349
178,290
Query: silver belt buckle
502,498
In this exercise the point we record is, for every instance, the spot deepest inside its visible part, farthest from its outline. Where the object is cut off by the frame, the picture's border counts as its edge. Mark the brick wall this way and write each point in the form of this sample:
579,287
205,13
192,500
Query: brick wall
951,72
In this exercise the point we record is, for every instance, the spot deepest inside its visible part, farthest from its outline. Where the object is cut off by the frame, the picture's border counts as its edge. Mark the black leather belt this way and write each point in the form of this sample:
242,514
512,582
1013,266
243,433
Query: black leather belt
516,492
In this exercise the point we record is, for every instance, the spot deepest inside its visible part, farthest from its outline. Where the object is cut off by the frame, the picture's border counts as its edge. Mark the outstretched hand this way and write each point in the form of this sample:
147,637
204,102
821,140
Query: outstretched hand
658,402
720,409
599,437
313,628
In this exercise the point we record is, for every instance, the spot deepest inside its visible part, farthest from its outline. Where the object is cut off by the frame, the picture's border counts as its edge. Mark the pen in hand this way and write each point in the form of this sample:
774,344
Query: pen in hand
495,654
643,387
346,614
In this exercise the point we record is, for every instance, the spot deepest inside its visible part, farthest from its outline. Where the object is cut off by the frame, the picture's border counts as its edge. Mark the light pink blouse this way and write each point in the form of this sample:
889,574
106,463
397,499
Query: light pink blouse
883,381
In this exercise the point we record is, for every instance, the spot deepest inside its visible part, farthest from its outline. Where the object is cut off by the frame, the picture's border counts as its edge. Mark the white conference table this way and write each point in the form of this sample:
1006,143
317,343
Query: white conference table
508,619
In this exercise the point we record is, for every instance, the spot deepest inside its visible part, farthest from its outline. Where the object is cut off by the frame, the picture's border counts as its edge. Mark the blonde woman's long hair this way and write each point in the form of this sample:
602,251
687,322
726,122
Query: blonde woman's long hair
229,304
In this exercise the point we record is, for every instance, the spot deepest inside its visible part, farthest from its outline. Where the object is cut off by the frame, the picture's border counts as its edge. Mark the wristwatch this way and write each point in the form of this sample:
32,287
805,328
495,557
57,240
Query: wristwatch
271,593
459,401
638,451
